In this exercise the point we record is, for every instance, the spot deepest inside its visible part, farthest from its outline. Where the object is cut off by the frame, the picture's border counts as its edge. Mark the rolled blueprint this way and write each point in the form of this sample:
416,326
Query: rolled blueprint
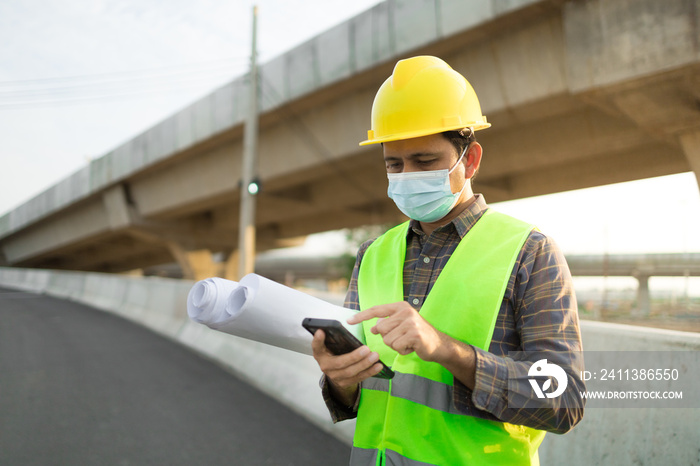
206,301
262,310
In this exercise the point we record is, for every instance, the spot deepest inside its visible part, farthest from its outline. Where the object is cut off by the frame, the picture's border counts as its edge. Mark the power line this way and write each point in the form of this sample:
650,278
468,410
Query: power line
107,87
98,98
127,73
136,80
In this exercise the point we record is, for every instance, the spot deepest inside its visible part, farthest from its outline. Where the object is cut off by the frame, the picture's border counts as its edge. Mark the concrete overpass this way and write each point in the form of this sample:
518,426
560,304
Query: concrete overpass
580,93
635,265
640,266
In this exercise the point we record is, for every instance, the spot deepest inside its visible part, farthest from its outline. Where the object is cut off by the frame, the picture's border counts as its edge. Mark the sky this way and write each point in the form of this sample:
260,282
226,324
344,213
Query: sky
80,77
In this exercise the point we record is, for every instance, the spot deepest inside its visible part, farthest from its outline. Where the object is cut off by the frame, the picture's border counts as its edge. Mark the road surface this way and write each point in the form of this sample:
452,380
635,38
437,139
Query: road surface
79,386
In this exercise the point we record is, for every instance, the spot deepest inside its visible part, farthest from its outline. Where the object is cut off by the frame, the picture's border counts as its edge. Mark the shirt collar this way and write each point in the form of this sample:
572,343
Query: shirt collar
462,223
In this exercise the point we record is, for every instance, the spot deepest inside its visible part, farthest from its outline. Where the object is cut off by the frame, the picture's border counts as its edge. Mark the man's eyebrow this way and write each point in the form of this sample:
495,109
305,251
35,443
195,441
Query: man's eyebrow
413,156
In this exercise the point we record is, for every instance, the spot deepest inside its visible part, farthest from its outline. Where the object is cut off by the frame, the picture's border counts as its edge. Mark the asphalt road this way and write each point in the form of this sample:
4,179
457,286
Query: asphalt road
83,387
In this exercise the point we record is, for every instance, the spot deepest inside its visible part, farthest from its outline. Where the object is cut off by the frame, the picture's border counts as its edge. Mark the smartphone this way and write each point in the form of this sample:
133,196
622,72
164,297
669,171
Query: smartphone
340,341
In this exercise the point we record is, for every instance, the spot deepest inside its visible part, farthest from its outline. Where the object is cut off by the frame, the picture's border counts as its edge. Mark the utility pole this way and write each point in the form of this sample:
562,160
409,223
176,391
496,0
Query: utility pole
246,236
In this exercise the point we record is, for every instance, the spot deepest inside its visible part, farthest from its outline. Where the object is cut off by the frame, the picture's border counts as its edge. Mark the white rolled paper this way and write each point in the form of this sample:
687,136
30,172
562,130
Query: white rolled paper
263,310
206,301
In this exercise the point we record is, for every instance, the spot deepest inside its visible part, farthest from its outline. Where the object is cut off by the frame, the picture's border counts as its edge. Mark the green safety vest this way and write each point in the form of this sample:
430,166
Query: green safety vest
412,419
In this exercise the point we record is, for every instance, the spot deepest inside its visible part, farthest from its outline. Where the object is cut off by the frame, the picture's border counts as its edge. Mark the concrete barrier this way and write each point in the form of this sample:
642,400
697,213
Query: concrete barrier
160,305
605,436
640,436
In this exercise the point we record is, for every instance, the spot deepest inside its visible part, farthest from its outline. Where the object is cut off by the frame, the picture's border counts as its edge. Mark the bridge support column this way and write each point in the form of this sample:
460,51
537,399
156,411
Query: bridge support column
691,146
230,269
195,265
643,296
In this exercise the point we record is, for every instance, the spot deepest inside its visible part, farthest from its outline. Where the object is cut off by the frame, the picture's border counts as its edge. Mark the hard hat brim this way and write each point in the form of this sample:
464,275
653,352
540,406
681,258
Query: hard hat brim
417,134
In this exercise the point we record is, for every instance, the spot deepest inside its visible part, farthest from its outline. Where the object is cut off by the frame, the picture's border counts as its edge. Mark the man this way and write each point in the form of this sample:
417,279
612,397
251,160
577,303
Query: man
447,296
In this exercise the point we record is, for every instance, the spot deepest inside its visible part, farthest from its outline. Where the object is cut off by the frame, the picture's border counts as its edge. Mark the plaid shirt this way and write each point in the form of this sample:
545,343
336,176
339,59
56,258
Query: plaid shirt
538,313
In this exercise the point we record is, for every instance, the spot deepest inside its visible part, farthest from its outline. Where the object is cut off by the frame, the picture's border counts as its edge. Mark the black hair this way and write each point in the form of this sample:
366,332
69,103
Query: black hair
460,138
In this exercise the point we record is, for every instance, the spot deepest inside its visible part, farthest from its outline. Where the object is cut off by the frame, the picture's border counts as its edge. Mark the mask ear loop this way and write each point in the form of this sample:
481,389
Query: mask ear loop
459,194
464,151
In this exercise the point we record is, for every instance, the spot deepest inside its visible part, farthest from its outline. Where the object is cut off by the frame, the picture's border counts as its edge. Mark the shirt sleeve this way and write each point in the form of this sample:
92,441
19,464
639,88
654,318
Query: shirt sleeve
338,411
546,318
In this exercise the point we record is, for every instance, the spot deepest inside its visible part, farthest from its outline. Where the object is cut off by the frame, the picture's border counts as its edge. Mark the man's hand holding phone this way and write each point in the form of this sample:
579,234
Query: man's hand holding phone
344,371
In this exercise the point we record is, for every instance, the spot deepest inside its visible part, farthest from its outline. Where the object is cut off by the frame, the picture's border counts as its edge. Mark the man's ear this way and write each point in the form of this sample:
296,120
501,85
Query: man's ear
472,159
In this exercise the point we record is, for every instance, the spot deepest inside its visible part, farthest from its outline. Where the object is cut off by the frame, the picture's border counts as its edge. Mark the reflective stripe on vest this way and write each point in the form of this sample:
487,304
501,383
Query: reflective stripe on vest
391,458
412,418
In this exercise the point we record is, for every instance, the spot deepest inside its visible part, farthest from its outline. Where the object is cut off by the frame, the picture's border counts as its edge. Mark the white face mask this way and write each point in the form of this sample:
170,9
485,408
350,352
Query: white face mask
425,196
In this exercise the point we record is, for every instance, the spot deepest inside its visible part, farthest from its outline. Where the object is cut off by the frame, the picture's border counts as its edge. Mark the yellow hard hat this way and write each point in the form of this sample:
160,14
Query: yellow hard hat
423,96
